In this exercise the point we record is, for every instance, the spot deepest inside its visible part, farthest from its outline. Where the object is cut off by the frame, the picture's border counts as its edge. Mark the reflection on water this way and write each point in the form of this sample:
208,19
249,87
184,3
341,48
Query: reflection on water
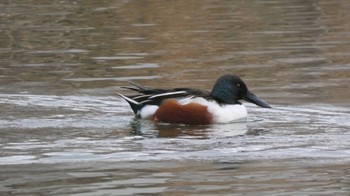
64,130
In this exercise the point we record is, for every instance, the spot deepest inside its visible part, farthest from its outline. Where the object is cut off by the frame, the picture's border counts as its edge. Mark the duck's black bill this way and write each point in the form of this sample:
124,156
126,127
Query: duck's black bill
250,97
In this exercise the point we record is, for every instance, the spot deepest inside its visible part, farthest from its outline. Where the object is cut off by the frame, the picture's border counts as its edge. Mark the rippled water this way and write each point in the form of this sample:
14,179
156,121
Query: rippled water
64,130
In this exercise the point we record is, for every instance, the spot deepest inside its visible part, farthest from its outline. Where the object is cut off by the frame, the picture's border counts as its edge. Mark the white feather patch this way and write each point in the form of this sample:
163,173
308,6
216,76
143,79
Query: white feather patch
221,113
227,113
147,111
167,94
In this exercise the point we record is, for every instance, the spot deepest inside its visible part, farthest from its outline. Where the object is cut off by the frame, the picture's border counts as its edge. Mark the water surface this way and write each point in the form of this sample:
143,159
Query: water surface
64,130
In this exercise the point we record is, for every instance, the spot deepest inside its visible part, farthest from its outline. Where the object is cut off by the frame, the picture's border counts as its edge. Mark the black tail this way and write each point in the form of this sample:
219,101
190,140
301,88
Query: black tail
135,106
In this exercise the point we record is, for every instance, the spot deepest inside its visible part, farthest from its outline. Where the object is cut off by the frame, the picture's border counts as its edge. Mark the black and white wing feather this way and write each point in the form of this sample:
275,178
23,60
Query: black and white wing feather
153,96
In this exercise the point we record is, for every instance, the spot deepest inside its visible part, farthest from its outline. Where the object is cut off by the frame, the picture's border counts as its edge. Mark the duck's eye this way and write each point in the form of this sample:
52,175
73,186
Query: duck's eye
238,85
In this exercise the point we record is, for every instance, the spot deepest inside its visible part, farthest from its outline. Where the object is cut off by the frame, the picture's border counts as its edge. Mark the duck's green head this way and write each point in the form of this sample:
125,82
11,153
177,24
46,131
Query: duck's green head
229,89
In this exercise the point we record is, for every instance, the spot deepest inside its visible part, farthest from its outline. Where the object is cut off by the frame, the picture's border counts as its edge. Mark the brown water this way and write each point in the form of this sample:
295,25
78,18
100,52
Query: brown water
64,130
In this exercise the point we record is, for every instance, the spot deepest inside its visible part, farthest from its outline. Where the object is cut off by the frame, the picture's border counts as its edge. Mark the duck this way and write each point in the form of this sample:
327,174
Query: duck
193,106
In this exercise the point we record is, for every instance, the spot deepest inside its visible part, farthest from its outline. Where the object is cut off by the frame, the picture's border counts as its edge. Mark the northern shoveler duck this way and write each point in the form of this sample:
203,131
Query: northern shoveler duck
193,106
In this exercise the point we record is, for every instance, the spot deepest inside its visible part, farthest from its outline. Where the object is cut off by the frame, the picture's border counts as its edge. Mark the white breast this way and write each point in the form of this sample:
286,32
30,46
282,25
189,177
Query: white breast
228,113
221,113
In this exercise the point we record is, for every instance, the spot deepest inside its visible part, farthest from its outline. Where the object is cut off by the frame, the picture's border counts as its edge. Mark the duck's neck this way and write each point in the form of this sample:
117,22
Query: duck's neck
224,95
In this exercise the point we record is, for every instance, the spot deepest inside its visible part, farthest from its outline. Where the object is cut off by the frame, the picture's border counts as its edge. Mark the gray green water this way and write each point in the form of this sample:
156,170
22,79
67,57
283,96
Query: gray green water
64,130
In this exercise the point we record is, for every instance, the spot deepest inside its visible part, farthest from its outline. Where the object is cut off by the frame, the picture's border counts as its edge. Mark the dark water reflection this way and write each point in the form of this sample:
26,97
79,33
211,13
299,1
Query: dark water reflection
64,131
